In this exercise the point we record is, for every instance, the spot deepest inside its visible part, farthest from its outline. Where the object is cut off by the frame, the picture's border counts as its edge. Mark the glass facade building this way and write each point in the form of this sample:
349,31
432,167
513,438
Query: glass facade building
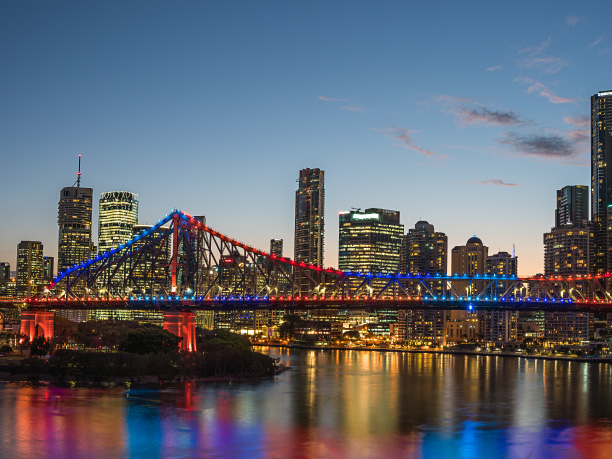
74,219
118,215
30,269
601,180
370,241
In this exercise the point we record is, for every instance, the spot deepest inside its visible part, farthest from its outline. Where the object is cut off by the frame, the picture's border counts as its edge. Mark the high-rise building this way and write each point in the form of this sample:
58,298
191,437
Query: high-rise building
469,258
370,241
149,275
309,222
424,250
74,219
276,247
601,180
29,268
118,215
48,269
5,278
501,264
568,246
572,205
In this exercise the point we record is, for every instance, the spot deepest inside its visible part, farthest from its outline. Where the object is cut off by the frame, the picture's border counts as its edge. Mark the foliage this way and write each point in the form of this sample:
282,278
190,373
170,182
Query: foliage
64,330
150,340
40,346
216,340
351,334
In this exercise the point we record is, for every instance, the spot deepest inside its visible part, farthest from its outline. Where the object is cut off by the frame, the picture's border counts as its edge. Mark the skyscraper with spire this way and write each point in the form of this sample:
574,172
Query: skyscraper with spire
74,220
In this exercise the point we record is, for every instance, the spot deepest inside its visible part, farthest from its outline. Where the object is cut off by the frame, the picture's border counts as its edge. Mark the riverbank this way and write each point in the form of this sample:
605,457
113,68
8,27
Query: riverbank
445,352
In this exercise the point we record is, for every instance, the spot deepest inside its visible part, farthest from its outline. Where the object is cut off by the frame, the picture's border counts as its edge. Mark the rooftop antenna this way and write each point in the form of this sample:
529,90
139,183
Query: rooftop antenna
513,253
78,181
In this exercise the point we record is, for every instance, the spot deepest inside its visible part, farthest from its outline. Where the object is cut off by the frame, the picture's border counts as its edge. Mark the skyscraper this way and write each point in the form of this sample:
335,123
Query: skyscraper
568,245
309,221
370,241
29,268
424,250
601,180
276,247
118,215
74,219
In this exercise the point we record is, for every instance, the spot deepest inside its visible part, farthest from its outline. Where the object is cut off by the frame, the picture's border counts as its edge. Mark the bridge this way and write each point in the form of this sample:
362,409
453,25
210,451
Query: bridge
180,265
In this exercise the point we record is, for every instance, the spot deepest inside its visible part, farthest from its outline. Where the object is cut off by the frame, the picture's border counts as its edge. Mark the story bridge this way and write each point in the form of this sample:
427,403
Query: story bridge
180,265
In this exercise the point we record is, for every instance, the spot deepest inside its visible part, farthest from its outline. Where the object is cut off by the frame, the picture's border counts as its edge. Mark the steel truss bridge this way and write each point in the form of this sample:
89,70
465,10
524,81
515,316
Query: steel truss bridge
180,263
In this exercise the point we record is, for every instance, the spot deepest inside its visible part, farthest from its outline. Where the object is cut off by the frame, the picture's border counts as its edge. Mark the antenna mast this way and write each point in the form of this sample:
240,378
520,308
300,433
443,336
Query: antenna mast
78,181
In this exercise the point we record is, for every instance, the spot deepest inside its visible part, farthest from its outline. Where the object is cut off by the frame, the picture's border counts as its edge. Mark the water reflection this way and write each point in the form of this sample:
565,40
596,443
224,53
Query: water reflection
333,404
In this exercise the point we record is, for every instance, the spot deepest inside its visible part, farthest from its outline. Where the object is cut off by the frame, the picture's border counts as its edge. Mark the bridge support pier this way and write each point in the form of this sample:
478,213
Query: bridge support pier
182,324
37,323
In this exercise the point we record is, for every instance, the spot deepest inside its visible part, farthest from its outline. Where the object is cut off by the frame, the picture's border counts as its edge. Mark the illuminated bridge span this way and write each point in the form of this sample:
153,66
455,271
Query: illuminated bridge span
182,263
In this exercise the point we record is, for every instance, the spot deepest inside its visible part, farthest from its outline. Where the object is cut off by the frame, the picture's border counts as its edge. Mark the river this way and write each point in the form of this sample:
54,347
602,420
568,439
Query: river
333,404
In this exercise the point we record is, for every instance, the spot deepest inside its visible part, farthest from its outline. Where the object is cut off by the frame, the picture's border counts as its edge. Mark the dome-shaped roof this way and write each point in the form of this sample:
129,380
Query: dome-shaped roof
474,240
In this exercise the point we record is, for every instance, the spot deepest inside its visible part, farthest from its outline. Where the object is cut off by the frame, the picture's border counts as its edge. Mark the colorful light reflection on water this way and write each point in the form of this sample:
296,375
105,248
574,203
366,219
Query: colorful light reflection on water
339,404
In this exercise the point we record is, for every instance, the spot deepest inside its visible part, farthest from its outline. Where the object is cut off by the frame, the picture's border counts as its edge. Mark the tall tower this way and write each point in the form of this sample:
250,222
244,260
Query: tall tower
118,215
601,180
74,219
309,221
425,251
29,268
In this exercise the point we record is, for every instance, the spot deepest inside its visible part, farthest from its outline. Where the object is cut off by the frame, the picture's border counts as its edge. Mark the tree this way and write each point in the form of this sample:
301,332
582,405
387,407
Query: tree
216,340
150,340
287,328
64,330
40,346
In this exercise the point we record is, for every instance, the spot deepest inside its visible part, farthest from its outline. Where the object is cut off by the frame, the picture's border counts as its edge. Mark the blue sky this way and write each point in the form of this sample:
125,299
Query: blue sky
468,115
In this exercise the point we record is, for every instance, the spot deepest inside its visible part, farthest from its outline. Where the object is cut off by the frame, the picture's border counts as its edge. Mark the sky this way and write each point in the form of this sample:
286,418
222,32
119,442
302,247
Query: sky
467,115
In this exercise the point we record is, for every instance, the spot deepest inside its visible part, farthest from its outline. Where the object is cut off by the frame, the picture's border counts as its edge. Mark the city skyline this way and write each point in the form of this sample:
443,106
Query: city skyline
470,134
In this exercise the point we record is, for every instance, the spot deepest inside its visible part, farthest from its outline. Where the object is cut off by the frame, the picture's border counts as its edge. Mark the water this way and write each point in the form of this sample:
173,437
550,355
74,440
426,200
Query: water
334,404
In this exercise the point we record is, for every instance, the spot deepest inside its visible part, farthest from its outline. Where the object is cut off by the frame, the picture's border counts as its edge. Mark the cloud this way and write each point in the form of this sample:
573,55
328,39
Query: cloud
573,20
494,68
543,145
548,65
404,138
494,182
598,41
544,91
470,112
331,99
580,121
354,108
537,49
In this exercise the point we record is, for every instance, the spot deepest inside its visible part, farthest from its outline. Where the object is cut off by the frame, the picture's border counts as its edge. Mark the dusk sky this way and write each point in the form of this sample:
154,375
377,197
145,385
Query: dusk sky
469,115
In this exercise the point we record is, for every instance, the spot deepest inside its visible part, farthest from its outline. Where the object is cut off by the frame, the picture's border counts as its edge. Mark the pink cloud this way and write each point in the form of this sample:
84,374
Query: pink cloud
495,182
544,91
331,99
404,137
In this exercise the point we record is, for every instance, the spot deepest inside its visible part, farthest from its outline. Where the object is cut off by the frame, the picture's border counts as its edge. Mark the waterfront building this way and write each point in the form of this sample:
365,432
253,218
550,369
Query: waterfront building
118,215
29,269
309,222
469,259
461,326
370,241
601,181
423,327
498,327
567,327
74,220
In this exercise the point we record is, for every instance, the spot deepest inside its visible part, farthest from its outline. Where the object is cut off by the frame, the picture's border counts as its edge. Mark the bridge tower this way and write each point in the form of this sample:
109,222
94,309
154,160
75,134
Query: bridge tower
182,324
37,323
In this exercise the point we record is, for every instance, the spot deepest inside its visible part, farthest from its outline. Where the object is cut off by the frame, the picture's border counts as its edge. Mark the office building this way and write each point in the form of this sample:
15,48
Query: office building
309,223
568,247
118,215
29,269
370,241
48,269
5,278
149,275
424,251
276,247
601,180
74,219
